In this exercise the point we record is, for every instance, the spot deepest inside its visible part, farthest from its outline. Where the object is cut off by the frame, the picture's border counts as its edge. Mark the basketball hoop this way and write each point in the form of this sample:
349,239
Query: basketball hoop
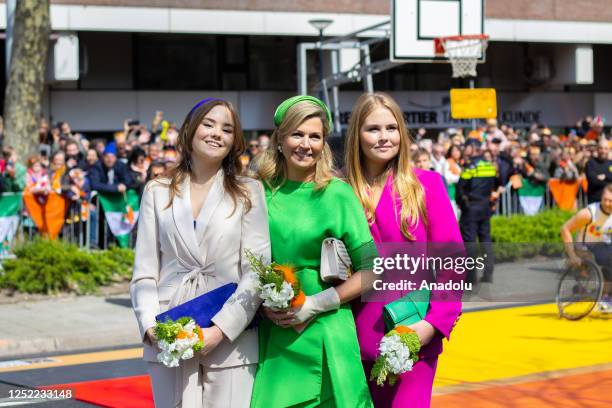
463,51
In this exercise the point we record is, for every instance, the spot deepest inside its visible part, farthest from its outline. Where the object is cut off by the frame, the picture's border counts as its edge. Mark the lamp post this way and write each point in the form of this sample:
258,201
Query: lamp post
321,24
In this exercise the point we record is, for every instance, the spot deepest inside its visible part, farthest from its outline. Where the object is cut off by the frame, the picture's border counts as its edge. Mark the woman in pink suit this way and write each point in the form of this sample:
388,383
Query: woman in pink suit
403,204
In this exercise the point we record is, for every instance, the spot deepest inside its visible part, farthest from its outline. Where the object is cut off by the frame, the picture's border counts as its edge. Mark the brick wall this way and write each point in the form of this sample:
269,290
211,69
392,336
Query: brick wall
572,10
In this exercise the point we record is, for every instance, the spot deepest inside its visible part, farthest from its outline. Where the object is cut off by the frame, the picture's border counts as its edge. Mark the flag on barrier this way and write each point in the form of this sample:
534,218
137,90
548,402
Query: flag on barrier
121,212
564,193
531,196
9,218
48,213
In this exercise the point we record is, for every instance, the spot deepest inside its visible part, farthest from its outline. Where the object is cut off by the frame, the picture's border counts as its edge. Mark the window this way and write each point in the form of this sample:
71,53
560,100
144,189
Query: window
175,62
273,63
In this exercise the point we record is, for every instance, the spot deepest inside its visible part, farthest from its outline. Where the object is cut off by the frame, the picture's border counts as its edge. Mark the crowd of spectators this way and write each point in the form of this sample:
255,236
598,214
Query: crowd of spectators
536,154
73,165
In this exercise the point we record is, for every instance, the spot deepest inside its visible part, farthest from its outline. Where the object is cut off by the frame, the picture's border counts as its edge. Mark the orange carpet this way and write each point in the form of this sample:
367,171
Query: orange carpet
590,390
126,392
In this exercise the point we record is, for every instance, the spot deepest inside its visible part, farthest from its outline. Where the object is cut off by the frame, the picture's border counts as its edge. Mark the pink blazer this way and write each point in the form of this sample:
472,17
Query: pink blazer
441,228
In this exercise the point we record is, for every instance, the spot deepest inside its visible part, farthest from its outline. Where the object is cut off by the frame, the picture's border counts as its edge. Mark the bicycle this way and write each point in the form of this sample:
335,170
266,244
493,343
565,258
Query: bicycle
579,290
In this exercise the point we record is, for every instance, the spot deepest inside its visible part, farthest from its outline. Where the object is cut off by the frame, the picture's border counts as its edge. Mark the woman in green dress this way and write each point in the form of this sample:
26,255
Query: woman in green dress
309,357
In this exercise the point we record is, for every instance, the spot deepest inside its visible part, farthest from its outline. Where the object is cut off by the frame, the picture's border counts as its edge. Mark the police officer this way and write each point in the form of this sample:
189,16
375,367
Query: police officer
476,184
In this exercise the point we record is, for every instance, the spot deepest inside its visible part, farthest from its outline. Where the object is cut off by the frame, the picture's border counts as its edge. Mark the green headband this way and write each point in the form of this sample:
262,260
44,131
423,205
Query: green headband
282,109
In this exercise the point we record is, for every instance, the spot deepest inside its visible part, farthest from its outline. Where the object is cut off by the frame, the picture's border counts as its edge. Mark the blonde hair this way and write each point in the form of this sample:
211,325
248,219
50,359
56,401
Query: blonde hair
231,165
405,183
272,166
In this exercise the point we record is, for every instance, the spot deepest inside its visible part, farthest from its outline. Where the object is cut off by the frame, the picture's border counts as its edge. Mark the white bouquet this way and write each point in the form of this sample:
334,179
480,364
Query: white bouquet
277,299
178,340
280,288
398,353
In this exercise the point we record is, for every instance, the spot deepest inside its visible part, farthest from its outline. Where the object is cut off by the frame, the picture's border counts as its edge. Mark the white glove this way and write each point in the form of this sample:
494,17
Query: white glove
321,302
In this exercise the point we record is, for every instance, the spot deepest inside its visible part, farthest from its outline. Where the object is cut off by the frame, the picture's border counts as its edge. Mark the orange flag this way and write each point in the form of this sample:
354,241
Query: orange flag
564,193
49,216
585,184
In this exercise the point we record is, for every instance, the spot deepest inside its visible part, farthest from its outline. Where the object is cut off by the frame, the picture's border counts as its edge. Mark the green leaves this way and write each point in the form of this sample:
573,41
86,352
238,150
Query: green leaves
523,236
379,372
411,340
270,273
44,266
200,344
168,330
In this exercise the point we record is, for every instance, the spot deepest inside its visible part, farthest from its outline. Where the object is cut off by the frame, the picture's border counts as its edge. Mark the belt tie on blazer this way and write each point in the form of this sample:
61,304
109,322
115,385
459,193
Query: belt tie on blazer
194,283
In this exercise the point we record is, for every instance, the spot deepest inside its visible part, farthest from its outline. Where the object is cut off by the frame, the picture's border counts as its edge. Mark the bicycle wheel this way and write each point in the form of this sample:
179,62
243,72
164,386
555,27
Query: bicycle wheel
579,290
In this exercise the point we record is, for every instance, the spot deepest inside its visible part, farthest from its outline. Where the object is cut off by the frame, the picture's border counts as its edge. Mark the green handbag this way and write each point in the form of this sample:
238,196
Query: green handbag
407,310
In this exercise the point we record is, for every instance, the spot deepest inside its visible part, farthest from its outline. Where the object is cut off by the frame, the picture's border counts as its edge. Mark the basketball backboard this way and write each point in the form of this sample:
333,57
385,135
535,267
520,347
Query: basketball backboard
416,23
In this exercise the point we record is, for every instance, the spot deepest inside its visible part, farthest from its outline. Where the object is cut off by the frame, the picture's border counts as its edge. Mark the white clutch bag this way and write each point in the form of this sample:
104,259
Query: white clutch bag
335,261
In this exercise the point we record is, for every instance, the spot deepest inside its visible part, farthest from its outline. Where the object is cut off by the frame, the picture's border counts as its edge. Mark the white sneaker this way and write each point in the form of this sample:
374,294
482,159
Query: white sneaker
604,307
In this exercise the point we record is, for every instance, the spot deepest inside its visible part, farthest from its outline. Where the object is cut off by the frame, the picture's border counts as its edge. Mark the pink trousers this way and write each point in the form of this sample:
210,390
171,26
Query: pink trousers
412,390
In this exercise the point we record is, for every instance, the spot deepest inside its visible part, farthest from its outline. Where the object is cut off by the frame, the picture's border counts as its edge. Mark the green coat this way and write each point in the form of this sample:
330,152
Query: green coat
17,184
322,365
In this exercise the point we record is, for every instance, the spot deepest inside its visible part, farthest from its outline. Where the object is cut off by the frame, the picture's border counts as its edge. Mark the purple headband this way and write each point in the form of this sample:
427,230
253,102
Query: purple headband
202,102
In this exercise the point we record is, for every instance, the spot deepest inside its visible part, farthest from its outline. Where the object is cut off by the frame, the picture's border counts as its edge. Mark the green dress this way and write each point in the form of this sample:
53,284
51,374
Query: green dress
320,367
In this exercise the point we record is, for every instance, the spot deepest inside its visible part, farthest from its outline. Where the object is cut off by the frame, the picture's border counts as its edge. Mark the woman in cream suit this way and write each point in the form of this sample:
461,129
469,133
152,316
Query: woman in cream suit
194,226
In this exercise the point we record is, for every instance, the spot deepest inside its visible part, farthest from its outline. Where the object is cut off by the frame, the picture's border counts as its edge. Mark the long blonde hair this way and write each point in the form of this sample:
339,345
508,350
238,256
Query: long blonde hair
232,166
405,183
272,166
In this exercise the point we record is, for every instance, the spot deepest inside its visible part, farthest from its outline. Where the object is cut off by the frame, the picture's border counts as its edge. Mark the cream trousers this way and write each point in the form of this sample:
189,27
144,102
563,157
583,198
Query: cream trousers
222,387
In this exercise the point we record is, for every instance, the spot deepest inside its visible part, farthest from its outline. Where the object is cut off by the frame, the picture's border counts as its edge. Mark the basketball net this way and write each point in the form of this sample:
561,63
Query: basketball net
463,52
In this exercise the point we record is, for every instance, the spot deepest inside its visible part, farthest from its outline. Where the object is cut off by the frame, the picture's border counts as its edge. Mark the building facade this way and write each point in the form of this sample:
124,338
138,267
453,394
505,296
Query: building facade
139,56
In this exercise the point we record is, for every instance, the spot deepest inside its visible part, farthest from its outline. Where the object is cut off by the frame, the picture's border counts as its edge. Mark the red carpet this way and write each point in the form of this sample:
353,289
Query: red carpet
126,392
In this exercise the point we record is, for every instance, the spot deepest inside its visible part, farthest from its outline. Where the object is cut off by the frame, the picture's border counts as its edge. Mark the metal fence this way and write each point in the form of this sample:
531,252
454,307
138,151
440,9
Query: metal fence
509,203
89,229
84,226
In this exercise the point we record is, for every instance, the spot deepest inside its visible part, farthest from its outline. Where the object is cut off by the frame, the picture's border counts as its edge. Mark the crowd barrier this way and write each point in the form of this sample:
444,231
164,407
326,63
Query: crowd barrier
85,225
555,196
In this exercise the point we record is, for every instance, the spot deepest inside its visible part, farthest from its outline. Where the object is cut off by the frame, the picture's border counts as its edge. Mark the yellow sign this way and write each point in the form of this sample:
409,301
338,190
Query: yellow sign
477,103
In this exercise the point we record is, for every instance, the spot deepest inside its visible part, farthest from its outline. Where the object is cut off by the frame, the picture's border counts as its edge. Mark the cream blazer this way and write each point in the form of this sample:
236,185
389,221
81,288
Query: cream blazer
174,263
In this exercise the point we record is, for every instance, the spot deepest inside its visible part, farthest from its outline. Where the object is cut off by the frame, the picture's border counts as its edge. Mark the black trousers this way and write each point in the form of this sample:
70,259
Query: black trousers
475,228
603,257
